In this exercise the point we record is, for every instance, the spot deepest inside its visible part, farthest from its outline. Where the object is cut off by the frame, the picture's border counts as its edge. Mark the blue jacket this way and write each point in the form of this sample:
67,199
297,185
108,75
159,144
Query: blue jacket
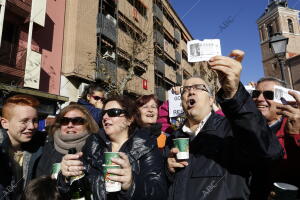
95,112
10,187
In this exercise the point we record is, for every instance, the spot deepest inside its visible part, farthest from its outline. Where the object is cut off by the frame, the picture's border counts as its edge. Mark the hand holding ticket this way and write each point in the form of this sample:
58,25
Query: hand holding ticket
203,50
282,93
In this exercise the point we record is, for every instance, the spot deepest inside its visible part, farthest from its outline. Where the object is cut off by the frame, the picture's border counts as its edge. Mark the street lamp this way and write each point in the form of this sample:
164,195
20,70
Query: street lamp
278,45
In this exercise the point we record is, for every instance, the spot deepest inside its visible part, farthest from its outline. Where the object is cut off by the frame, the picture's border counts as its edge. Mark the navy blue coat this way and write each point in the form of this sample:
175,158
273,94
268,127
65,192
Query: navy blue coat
225,153
95,112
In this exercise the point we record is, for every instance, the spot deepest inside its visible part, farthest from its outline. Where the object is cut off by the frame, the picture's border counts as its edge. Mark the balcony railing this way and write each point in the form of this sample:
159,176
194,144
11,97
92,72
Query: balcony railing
160,93
107,71
159,39
159,65
177,56
107,25
158,13
177,35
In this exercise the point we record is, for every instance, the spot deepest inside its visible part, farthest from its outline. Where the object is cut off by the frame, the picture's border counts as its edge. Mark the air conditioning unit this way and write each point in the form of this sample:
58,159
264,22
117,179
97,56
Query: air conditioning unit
81,88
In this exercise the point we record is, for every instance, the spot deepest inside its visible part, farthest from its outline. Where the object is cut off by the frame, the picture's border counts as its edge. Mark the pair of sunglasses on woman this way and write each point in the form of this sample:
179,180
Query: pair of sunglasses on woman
74,120
114,112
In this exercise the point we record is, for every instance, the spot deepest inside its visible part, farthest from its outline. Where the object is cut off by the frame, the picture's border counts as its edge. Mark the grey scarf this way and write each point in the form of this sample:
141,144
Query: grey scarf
64,142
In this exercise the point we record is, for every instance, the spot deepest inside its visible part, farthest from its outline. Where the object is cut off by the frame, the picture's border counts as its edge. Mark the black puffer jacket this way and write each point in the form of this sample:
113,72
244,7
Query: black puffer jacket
225,153
144,157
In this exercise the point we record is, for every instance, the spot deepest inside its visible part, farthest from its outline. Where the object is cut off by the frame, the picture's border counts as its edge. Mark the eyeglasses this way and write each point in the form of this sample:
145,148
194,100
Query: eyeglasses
185,89
97,98
74,120
267,94
114,112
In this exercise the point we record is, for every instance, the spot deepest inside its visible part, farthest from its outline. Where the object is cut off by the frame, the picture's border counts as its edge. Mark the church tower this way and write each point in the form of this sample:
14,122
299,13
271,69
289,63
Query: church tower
278,18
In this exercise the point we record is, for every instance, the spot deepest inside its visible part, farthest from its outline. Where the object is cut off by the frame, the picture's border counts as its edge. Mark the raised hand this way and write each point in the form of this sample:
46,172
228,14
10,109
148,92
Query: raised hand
229,70
292,113
172,161
71,165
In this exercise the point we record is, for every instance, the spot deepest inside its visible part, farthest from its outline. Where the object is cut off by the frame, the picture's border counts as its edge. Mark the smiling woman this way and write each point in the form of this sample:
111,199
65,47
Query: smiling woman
141,165
72,127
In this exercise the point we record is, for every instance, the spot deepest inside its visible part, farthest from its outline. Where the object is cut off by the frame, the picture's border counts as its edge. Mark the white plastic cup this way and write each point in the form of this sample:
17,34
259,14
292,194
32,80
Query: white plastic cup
111,186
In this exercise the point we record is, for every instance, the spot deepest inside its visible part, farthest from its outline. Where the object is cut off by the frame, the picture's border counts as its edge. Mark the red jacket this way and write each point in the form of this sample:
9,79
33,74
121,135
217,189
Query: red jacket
289,142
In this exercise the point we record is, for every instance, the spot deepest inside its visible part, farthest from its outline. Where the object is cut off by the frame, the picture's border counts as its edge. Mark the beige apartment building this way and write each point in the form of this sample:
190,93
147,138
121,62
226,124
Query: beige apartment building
103,38
279,18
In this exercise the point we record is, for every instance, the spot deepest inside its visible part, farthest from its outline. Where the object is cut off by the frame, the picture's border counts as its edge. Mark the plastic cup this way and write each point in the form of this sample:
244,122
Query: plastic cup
55,170
108,156
284,191
111,186
182,144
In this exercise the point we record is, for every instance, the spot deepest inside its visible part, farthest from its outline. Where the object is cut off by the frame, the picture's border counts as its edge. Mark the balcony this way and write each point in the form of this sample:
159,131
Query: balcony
169,50
12,59
108,28
107,70
177,35
159,65
159,39
168,26
187,66
177,56
160,93
132,14
170,73
157,12
179,78
20,7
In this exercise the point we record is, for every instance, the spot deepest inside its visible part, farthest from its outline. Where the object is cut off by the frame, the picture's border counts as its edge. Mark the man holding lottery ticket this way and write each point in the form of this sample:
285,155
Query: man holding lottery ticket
223,151
284,121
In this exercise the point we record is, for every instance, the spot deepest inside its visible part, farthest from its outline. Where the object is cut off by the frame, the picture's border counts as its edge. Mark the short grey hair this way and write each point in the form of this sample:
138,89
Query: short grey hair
273,79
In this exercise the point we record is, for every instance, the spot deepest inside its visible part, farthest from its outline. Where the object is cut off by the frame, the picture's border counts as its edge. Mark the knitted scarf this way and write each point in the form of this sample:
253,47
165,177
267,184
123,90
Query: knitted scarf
64,142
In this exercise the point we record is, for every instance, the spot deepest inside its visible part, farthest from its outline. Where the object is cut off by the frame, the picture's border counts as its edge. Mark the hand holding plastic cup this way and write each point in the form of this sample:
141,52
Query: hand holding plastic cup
182,144
111,186
108,156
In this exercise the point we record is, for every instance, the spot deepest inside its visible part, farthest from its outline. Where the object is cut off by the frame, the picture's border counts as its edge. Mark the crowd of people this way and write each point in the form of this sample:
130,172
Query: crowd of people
237,152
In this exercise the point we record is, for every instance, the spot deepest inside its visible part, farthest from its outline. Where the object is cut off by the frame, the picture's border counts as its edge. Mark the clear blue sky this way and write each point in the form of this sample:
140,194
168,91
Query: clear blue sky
232,21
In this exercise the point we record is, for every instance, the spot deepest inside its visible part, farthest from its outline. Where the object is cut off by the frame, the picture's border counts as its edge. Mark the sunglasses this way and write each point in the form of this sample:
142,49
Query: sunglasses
97,98
75,121
114,112
267,94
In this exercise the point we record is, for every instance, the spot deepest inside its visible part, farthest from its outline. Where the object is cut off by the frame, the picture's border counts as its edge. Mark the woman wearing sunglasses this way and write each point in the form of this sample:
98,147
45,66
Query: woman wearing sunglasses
72,127
92,99
141,173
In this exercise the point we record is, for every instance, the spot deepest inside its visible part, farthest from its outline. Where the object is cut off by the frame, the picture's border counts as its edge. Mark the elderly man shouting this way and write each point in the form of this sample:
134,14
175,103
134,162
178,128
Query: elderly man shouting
224,151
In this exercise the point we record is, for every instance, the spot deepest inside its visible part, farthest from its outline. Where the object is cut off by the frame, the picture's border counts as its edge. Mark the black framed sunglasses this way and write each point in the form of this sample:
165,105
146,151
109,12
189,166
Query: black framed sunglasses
267,94
97,98
114,112
74,120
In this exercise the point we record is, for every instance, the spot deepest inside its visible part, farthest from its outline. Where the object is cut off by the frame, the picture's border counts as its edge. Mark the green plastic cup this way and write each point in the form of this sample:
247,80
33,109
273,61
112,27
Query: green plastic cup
111,186
183,145
108,156
55,170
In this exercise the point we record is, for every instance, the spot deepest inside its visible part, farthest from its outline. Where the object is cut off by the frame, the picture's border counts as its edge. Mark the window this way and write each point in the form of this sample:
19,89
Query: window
139,6
270,30
290,25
